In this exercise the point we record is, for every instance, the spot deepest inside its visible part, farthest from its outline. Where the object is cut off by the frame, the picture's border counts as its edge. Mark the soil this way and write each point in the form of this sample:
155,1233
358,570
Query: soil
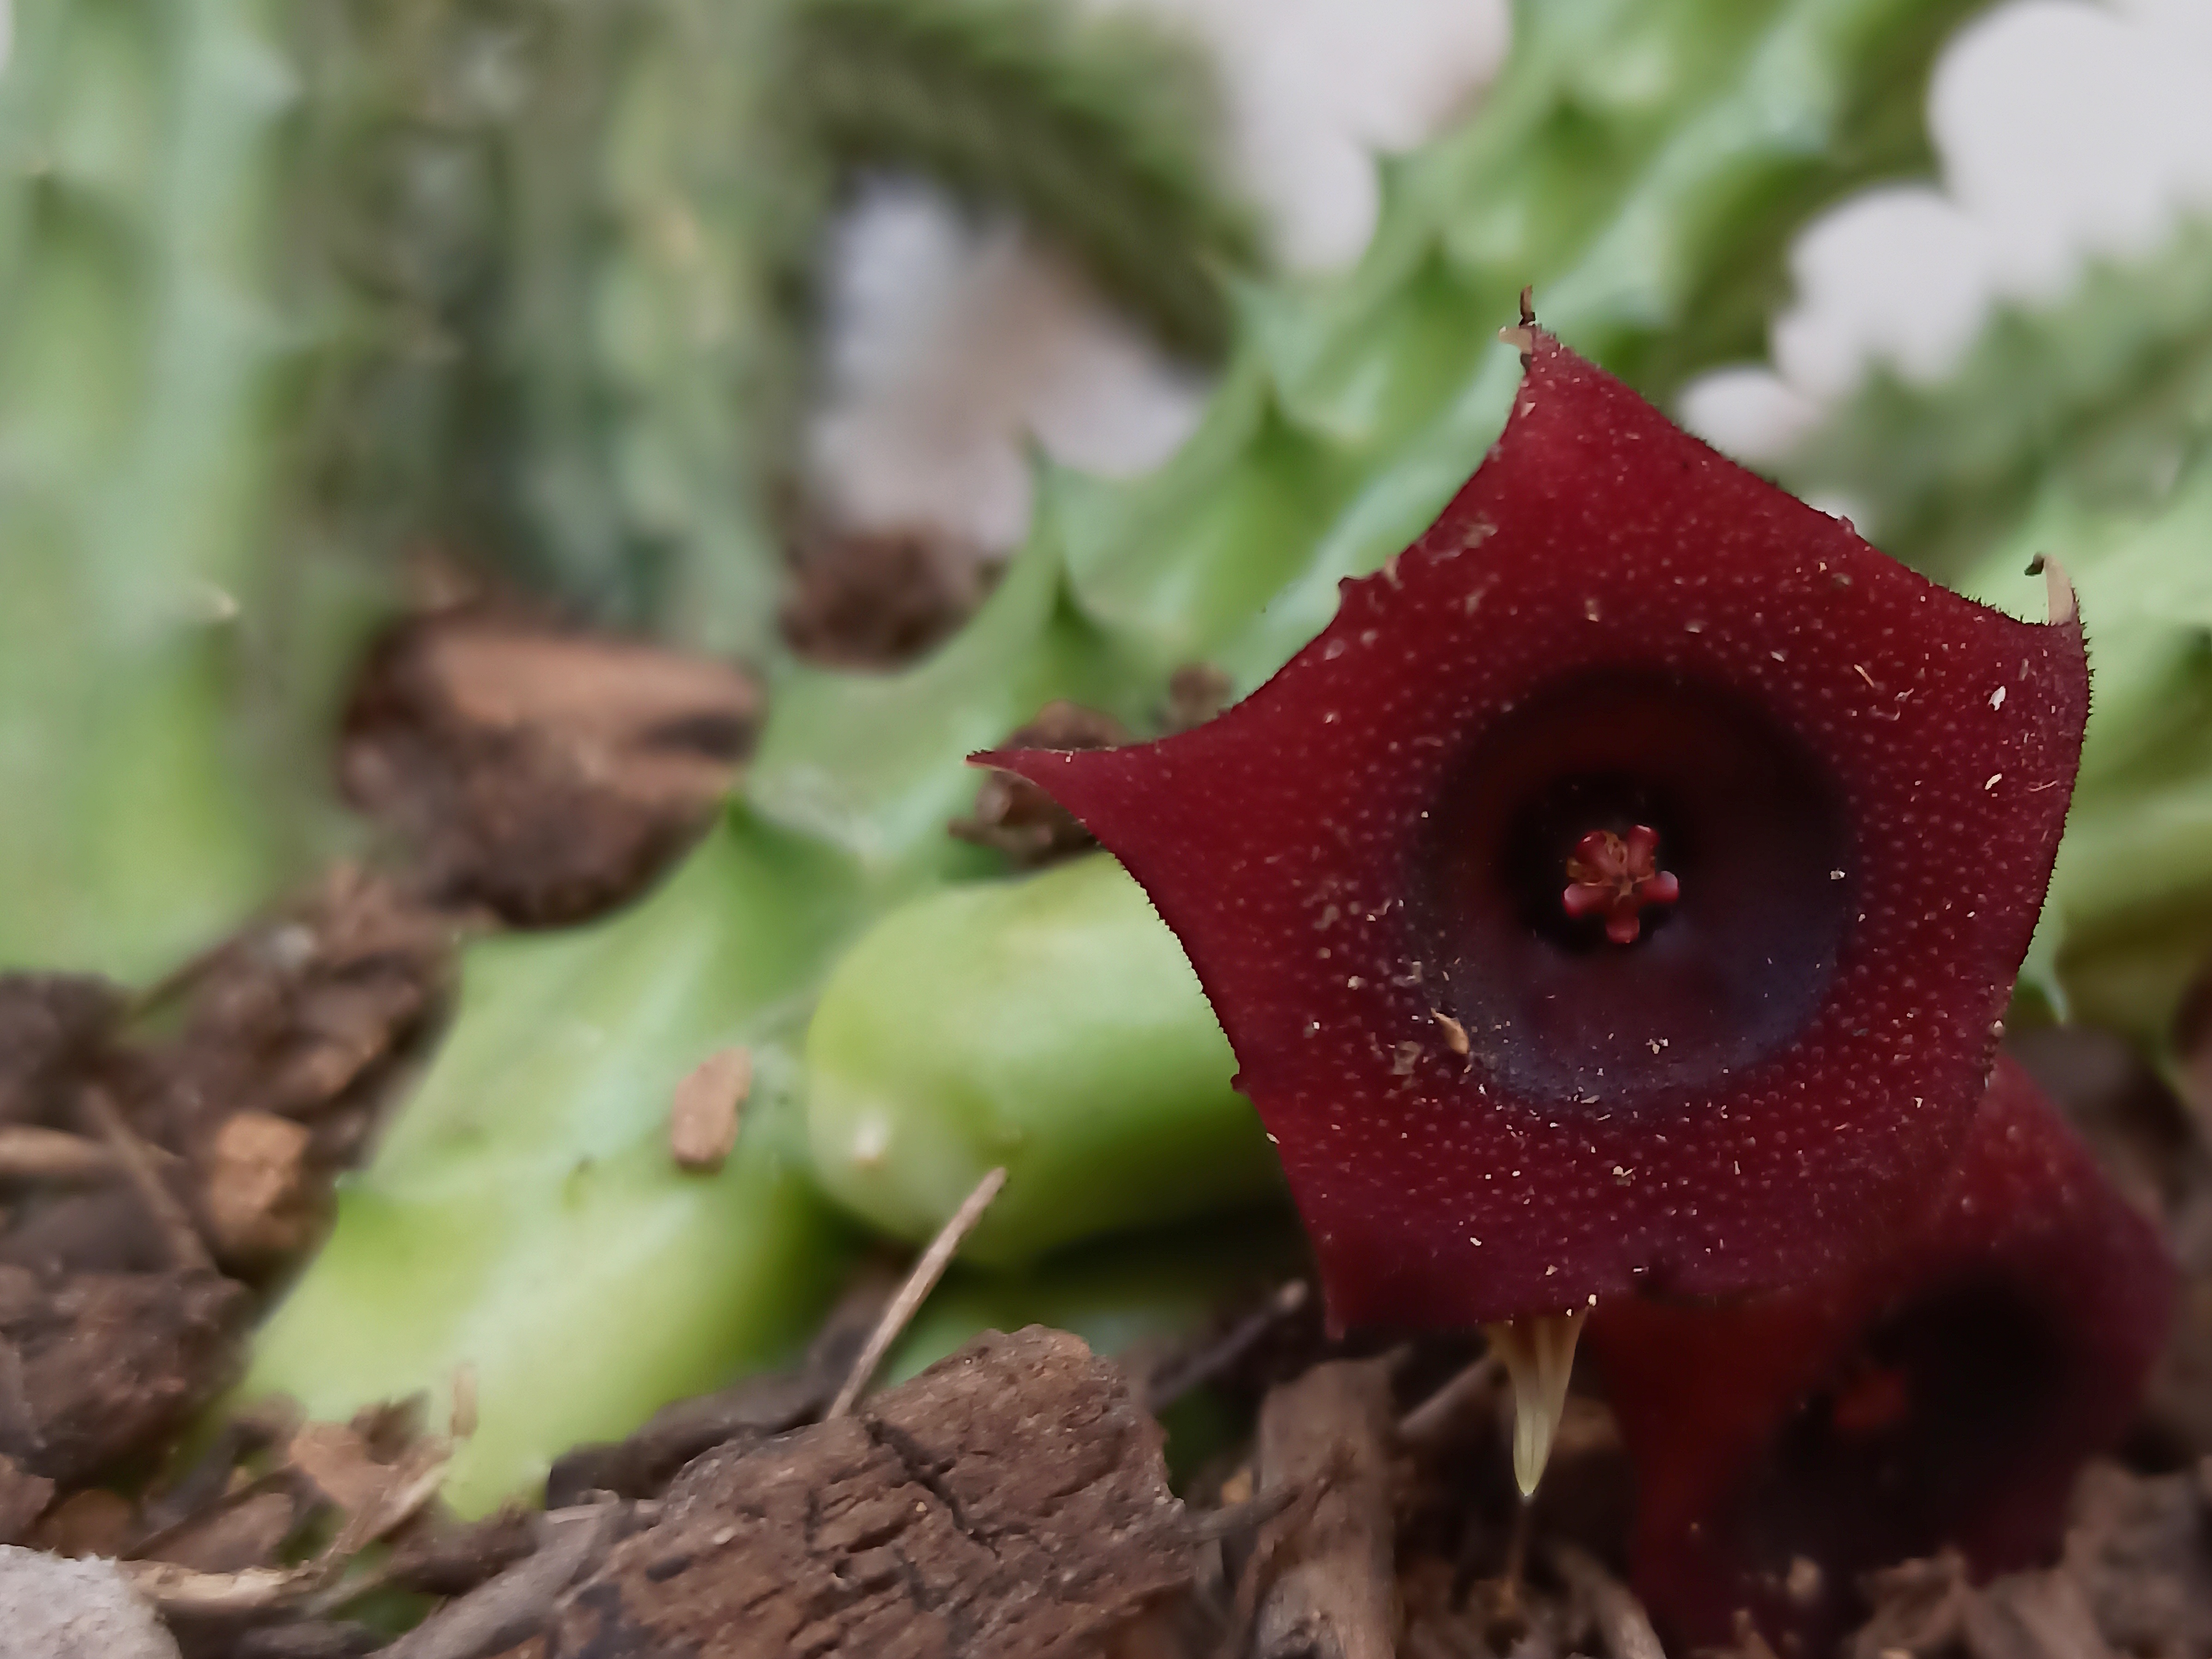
545,774
164,1157
879,601
183,1145
1013,816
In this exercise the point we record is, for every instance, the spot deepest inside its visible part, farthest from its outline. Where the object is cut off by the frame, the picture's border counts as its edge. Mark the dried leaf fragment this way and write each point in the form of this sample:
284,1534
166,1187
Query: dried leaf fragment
259,1201
703,1123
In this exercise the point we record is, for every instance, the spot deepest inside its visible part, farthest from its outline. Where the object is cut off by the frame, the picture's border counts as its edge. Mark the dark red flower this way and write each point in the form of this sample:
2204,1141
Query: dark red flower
1944,1395
1837,789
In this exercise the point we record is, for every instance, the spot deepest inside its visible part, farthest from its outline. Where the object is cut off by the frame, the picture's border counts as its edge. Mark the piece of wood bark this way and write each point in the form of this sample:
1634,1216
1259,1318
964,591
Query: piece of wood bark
1010,1502
2033,1615
1323,1571
1622,1624
24,1499
703,1117
546,773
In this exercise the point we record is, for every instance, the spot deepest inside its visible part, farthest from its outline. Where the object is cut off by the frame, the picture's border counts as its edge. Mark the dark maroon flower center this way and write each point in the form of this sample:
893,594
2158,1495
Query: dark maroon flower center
1890,1457
1932,1404
1642,975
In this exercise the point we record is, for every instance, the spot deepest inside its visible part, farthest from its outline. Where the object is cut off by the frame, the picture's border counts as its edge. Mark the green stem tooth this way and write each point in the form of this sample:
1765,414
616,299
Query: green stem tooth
2106,389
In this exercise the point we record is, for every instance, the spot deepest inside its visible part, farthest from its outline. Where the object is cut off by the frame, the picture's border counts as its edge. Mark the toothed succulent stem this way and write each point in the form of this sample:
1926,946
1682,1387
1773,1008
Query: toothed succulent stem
151,382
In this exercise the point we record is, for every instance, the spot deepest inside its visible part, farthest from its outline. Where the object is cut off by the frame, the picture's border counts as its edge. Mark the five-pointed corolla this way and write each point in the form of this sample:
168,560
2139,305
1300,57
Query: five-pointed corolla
1943,1395
1622,892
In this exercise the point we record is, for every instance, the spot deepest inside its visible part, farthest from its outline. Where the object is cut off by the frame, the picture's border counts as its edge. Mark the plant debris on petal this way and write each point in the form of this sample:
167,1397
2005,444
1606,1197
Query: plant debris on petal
1836,789
1943,1397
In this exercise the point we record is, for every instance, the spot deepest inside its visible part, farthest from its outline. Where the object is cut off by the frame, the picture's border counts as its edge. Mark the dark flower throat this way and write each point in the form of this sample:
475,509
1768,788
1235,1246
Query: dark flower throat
1704,858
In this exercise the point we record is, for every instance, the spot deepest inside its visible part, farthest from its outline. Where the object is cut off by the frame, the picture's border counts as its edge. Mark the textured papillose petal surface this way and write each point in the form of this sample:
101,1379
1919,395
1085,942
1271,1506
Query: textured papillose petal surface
1486,1106
1944,1394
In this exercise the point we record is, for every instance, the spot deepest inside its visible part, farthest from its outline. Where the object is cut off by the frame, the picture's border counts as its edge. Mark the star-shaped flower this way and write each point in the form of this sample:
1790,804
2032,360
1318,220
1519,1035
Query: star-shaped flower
1942,1395
1622,893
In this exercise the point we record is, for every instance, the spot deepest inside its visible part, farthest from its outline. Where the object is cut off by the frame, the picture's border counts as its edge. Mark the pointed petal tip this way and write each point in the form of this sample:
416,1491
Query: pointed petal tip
2058,588
1539,1351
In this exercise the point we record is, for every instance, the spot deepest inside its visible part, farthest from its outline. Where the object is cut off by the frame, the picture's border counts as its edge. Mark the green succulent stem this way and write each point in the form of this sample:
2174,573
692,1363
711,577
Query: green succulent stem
1097,131
524,1220
149,380
2104,390
293,290
1050,1025
556,1257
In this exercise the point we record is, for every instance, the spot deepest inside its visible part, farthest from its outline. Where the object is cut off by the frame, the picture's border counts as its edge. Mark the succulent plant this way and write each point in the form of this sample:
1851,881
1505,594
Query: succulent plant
152,381
2098,393
1641,163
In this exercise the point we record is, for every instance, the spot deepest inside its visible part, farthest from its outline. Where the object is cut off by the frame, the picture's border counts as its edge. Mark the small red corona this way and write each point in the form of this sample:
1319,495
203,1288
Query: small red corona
1617,877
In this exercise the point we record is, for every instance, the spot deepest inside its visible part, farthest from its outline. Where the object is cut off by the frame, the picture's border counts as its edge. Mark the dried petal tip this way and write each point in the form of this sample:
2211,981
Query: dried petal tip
1523,338
1539,1351
2058,588
1620,893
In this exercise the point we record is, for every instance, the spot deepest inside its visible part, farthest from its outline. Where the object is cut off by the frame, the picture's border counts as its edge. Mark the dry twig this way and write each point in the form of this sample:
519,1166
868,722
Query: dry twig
179,1234
1333,1590
928,1268
1622,1624
1434,1417
513,1607
28,1152
1179,1378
